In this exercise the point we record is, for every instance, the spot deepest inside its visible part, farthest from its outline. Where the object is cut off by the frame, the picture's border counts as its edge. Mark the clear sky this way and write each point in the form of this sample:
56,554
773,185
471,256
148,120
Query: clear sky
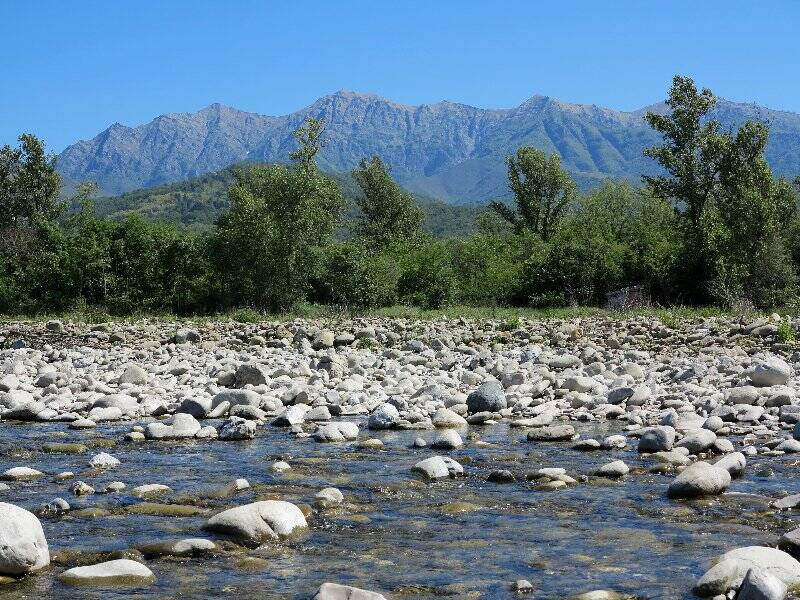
70,68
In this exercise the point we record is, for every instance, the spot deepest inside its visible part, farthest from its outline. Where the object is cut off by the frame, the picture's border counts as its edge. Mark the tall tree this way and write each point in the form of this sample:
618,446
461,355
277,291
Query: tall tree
29,183
388,213
690,153
280,216
542,190
731,208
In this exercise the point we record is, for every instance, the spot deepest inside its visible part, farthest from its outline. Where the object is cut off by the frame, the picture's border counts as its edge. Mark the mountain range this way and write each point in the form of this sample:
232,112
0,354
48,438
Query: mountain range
449,151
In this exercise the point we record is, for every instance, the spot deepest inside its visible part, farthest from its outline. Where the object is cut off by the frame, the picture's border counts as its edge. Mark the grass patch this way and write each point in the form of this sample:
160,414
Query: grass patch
510,317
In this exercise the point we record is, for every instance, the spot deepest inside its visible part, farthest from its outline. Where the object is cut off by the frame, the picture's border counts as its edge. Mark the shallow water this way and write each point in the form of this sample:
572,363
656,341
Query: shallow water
465,538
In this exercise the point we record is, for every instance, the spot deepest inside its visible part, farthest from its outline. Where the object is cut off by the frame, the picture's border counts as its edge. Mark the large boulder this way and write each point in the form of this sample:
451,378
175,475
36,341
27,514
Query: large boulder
551,433
699,479
237,428
337,431
489,397
114,572
251,374
657,439
384,417
698,441
255,523
773,371
134,375
438,467
334,591
23,547
729,572
759,585
179,426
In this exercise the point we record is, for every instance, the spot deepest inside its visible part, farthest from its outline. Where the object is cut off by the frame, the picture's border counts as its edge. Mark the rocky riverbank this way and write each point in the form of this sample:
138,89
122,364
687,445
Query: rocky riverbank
595,458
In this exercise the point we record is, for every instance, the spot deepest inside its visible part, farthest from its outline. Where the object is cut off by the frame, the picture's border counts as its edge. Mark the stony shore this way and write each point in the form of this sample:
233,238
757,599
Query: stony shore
692,403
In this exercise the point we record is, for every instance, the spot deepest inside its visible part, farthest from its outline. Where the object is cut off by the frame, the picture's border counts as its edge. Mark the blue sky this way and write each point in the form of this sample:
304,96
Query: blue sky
71,68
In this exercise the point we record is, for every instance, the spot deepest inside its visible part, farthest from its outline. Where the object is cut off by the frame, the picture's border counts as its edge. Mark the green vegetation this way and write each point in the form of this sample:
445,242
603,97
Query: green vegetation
714,229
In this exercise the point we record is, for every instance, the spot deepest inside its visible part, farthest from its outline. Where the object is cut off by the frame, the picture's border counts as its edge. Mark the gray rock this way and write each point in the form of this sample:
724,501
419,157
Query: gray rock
733,566
613,470
134,375
759,585
447,439
438,467
251,374
657,439
743,395
790,542
384,417
337,431
237,428
698,441
733,463
773,371
488,397
258,522
122,572
699,479
23,547
334,591
551,433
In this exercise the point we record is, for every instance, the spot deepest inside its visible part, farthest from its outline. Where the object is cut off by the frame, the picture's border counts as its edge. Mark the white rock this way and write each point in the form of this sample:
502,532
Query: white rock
23,547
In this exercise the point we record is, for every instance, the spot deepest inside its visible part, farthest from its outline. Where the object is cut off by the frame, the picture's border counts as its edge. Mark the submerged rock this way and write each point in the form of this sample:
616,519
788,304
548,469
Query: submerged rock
335,591
121,572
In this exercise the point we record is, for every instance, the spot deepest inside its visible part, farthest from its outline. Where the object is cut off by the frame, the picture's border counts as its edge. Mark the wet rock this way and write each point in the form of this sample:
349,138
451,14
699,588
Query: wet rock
81,488
613,470
335,591
448,439
186,547
732,567
150,489
253,524
328,497
384,417
103,460
21,474
23,547
657,439
438,467
790,542
733,463
336,432
788,502
237,428
699,479
122,572
551,433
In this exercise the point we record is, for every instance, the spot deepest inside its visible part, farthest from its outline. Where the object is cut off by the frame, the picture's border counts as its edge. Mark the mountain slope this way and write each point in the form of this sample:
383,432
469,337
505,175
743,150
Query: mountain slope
446,150
198,202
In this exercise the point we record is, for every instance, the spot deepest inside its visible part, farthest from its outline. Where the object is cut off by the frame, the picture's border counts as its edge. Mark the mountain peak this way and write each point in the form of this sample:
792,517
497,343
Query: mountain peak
447,150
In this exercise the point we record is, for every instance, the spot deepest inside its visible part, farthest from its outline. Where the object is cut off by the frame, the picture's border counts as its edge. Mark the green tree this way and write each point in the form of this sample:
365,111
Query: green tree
280,218
542,190
29,184
731,208
388,213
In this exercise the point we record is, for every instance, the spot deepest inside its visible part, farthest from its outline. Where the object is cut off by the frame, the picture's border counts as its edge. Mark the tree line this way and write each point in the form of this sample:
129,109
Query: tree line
715,227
